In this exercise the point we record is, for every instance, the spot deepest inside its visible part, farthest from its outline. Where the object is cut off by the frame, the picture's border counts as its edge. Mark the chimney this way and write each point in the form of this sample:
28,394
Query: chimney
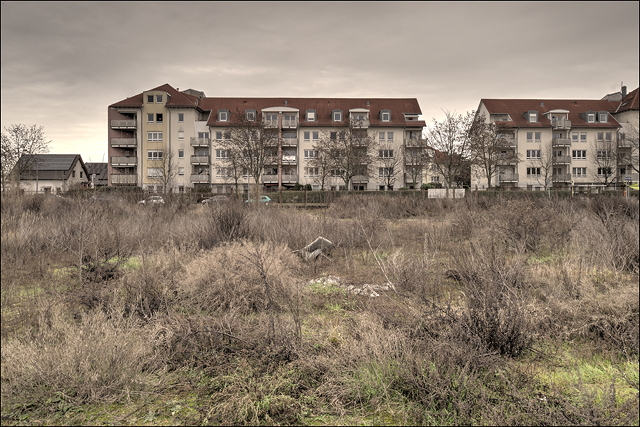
624,91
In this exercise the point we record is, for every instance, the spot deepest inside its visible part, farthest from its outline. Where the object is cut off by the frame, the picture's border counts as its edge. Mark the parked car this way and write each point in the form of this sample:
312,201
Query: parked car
219,198
263,199
152,200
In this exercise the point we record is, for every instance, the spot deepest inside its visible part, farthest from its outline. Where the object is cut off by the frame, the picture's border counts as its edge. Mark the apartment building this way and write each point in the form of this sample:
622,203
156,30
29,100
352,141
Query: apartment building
185,131
560,143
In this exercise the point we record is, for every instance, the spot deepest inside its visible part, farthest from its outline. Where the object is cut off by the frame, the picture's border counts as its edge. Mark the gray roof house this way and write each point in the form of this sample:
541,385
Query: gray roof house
98,174
52,173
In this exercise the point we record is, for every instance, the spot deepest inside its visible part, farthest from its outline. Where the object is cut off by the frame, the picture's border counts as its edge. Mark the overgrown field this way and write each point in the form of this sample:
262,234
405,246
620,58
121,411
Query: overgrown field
435,312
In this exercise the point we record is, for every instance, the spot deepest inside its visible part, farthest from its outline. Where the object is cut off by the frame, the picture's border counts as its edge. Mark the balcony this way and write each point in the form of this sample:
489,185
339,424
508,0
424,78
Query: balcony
626,143
200,178
506,159
561,177
289,123
560,124
413,142
289,159
124,179
508,177
124,162
557,160
270,123
123,124
286,179
360,124
199,142
508,142
561,142
359,179
289,142
124,142
200,160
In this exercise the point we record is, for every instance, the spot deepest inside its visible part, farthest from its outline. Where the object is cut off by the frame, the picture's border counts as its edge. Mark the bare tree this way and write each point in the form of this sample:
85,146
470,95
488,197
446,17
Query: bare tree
390,163
165,170
250,147
451,140
629,145
417,156
19,140
349,149
540,166
604,157
490,148
322,163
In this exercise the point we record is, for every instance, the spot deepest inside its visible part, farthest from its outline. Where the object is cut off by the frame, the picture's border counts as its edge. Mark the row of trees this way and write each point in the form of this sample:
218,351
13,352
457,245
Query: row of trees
18,140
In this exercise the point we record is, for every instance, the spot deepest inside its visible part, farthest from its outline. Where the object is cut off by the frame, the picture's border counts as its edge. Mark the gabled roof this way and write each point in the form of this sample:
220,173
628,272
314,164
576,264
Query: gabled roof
629,102
517,107
176,99
100,170
49,166
322,106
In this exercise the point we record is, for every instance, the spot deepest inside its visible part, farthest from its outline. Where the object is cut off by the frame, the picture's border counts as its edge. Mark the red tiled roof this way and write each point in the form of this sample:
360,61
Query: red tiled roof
322,106
629,102
517,107
176,99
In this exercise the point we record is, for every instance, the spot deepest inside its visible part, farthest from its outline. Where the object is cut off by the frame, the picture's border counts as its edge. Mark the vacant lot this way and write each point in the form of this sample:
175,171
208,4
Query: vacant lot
438,312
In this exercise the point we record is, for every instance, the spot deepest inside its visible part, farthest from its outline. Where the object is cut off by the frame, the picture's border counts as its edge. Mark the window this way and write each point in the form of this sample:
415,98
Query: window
602,117
149,117
224,172
158,98
591,118
385,154
538,136
180,154
575,136
223,116
73,174
251,115
159,118
600,136
154,154
583,137
607,136
311,172
359,117
580,172
337,115
150,98
80,174
222,154
604,154
529,136
154,136
307,136
533,171
604,171
533,154
383,172
533,116
271,119
311,115
309,154
333,136
180,170
385,115
579,154
181,117
180,134
382,136
154,173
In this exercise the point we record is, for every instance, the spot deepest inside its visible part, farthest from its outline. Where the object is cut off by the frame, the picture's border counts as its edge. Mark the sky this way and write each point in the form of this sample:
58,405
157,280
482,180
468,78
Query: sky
64,63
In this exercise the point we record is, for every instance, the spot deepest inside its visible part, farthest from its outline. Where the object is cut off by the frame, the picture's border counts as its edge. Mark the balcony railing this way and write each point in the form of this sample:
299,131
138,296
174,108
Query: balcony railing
124,142
412,142
124,179
506,159
124,161
561,177
286,179
508,142
290,142
560,142
270,123
123,124
199,142
508,177
561,159
360,124
199,160
200,178
360,179
560,124
626,143
289,159
289,123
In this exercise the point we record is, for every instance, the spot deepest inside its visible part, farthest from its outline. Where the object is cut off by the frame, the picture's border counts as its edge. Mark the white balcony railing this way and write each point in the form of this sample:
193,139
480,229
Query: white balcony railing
124,142
124,179
124,161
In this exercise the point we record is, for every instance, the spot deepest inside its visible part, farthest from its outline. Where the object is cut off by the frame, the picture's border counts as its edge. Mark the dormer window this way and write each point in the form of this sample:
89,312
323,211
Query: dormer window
150,99
311,115
602,117
533,116
336,115
591,118
251,115
159,99
223,115
385,115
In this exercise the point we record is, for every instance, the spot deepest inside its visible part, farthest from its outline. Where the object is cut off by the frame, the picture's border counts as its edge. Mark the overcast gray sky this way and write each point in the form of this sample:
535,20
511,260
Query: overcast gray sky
64,63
